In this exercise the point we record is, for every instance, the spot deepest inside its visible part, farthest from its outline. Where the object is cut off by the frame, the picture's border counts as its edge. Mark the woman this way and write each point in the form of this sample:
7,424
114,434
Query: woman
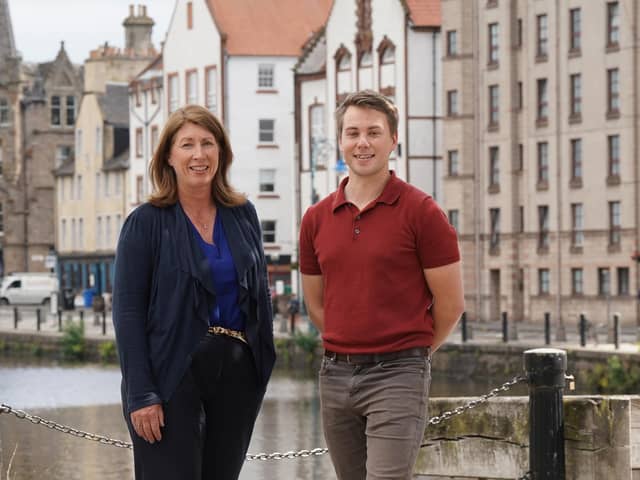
192,310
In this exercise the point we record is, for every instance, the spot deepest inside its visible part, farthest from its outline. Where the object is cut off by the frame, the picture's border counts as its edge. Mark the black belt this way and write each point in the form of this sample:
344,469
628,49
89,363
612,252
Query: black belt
366,358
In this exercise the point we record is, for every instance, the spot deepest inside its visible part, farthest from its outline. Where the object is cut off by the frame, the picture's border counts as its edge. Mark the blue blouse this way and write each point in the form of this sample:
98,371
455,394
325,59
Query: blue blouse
226,313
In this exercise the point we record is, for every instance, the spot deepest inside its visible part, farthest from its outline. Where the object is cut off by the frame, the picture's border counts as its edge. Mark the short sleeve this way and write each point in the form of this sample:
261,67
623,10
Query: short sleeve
308,258
436,239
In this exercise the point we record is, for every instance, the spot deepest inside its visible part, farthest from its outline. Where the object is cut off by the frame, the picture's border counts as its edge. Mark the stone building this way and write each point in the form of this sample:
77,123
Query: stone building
541,136
38,104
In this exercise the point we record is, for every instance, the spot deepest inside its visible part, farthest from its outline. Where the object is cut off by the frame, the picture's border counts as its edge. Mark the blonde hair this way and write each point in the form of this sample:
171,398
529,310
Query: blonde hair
368,99
163,177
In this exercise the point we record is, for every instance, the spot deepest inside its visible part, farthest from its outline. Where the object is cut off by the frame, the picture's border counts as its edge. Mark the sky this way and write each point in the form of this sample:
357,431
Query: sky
40,25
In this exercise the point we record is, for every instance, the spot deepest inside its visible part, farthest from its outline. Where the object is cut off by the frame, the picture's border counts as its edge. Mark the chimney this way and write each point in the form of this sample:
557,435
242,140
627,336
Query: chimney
131,10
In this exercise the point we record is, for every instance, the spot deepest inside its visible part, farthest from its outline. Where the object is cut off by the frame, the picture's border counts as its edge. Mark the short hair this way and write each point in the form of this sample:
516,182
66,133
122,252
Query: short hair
163,176
368,99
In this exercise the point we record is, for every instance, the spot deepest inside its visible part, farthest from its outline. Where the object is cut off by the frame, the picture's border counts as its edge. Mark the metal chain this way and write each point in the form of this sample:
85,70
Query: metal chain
259,456
506,386
527,476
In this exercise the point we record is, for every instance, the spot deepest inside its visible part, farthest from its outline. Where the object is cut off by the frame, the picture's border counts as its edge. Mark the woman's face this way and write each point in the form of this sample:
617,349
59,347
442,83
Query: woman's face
194,157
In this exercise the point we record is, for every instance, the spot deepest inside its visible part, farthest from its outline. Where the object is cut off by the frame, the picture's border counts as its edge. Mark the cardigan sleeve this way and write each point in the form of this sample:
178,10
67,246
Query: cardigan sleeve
134,267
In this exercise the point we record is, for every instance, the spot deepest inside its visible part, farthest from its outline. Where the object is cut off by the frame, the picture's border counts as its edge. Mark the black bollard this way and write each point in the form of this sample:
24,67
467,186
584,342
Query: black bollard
616,330
82,318
59,320
104,322
547,328
463,327
16,317
505,328
583,330
38,319
546,368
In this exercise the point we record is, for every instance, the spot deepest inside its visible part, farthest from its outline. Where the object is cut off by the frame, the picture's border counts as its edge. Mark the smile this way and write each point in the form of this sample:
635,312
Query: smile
364,157
199,168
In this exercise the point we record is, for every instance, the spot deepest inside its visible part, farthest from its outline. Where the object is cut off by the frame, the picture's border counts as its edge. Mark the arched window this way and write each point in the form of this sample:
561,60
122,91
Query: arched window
343,73
365,71
387,72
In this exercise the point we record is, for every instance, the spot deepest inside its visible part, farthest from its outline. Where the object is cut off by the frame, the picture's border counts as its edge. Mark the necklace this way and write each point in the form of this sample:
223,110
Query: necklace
196,221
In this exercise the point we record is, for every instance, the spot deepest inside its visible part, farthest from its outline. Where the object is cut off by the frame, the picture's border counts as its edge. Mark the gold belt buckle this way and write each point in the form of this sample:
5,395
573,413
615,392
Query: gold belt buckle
218,330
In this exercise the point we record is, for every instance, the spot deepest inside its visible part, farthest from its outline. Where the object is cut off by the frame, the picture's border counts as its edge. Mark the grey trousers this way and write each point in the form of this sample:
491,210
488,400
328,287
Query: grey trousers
374,416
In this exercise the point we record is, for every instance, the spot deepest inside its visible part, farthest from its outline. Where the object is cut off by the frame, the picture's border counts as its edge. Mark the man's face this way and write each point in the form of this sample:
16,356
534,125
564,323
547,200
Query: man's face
366,141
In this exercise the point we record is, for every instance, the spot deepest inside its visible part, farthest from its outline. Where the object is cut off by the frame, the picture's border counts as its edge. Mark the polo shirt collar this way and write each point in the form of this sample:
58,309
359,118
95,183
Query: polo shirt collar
389,195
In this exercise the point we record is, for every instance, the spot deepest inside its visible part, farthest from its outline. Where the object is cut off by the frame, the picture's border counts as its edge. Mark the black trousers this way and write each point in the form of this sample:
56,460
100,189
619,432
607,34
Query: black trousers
208,420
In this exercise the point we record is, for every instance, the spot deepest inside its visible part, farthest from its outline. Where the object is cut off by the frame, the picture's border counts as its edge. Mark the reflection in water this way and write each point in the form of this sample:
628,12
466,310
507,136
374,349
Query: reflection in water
87,398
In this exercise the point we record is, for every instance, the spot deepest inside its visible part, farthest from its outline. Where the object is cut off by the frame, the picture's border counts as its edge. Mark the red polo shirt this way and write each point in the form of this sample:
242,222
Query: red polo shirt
375,295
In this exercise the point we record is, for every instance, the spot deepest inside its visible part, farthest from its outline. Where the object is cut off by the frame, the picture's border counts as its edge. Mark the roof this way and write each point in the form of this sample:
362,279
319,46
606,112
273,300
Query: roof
114,104
268,27
118,162
425,13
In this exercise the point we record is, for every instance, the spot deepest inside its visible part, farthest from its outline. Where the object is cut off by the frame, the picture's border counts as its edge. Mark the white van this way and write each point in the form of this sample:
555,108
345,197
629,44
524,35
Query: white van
28,288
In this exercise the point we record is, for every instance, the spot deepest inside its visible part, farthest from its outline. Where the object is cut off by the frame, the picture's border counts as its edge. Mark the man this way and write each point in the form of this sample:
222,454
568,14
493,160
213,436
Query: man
382,283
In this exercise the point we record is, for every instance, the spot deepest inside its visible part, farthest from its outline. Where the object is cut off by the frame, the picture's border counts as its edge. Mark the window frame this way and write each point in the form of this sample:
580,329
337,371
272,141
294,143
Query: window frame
264,131
56,111
268,234
542,36
493,44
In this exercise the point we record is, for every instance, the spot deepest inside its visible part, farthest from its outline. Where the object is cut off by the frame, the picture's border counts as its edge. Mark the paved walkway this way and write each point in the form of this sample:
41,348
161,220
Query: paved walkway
530,334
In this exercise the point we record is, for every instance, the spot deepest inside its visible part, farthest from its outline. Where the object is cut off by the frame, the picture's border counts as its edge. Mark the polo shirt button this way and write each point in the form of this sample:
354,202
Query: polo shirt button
357,231
357,217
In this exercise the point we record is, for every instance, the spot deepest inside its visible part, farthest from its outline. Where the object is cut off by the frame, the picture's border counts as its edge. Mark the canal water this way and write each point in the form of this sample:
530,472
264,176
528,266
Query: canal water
87,398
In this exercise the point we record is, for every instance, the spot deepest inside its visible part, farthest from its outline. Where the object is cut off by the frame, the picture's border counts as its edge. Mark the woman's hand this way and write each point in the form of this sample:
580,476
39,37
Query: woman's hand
147,421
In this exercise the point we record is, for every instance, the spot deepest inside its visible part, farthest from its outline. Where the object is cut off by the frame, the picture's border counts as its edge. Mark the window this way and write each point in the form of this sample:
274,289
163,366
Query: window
454,219
266,131
266,76
604,282
55,110
71,110
139,189
614,223
79,188
107,231
453,163
452,43
519,97
520,158
543,281
98,184
212,89
614,155
494,218
189,15
63,153
80,233
452,103
117,184
192,87
118,224
577,281
344,62
575,30
138,142
388,56
613,91
521,218
543,227
268,231
267,180
494,167
577,225
63,233
154,138
613,24
518,34
317,136
4,111
623,281
173,92
543,101
494,112
98,142
99,234
576,159
78,142
493,44
543,163
542,44
107,189
575,107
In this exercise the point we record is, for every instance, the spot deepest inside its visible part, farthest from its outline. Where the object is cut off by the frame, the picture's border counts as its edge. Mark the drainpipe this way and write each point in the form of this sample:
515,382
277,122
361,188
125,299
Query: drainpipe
477,175
561,332
434,130
636,153
25,194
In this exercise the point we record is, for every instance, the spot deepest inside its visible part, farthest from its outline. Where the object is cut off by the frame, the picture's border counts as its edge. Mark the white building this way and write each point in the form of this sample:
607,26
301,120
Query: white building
236,58
392,46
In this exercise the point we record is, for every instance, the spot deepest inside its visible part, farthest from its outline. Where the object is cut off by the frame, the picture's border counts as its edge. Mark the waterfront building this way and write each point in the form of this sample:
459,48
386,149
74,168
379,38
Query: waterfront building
38,106
542,166
91,187
236,59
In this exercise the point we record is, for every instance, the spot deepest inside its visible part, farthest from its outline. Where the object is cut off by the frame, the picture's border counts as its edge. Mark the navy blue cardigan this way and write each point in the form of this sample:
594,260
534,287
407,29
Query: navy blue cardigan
163,294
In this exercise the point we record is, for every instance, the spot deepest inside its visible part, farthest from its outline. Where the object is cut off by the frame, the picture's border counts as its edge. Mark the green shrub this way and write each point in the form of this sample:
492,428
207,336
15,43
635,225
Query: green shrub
615,377
307,342
108,352
73,344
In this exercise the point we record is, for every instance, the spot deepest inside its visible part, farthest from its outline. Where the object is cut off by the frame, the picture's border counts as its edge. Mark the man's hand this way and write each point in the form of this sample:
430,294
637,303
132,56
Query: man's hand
147,421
